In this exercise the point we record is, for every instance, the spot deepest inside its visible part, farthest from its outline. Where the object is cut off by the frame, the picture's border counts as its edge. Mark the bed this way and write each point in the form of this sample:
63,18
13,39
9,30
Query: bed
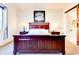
39,40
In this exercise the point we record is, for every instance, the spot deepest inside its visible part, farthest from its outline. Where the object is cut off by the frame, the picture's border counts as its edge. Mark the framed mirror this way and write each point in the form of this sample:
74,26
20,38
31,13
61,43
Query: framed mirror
39,16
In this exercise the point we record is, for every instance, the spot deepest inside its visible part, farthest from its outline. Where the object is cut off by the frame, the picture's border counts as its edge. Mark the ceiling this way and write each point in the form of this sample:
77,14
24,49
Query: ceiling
44,5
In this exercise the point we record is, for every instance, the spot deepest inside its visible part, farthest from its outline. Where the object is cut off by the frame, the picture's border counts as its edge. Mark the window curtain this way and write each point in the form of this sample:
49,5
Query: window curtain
1,31
3,23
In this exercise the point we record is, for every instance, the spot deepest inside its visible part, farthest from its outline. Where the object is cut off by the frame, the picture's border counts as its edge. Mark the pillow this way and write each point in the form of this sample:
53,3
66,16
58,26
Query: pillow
38,32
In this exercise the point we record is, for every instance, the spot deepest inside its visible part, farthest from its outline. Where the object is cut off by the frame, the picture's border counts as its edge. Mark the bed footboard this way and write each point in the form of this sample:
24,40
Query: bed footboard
39,44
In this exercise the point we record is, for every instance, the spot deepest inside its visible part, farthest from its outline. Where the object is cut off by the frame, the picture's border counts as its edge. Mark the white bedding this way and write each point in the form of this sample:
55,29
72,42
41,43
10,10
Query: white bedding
38,32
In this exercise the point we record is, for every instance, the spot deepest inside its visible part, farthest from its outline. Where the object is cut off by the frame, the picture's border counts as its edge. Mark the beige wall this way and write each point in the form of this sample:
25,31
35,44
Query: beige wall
17,18
71,18
12,20
54,17
71,32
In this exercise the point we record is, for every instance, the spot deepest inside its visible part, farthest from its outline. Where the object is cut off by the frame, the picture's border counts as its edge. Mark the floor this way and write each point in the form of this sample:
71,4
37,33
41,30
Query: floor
70,49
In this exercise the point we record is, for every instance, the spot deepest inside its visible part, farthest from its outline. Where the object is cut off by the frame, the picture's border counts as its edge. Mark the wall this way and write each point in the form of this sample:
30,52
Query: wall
55,18
12,20
71,18
17,18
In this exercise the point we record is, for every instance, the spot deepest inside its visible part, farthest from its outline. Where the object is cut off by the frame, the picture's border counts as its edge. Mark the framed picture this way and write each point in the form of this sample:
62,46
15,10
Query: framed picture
39,16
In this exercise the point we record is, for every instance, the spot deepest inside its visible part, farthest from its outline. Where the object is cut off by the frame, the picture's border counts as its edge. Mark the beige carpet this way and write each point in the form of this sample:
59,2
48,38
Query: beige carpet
71,48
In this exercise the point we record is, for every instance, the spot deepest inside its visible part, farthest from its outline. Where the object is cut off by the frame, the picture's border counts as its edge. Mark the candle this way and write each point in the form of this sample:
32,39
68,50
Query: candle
23,28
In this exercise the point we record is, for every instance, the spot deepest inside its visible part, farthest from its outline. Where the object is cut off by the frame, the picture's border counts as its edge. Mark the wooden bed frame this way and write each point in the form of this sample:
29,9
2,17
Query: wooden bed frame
39,43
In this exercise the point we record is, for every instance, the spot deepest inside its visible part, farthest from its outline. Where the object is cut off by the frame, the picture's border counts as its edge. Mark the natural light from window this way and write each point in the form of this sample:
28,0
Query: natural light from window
3,23
0,19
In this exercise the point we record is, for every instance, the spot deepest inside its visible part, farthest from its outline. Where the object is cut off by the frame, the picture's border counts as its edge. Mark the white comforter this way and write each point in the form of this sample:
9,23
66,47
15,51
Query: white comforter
38,32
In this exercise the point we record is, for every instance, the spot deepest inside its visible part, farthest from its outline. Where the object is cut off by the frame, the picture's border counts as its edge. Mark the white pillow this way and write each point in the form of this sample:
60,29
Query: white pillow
38,32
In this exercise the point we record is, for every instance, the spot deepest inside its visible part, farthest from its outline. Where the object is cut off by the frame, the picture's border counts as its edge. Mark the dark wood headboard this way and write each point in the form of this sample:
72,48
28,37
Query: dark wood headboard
39,25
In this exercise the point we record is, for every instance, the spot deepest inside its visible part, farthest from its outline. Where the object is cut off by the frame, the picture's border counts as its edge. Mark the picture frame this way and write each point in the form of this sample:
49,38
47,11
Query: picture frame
39,16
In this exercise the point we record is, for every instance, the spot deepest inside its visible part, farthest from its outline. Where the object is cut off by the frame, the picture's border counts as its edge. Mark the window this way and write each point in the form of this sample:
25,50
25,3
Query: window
0,18
3,23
